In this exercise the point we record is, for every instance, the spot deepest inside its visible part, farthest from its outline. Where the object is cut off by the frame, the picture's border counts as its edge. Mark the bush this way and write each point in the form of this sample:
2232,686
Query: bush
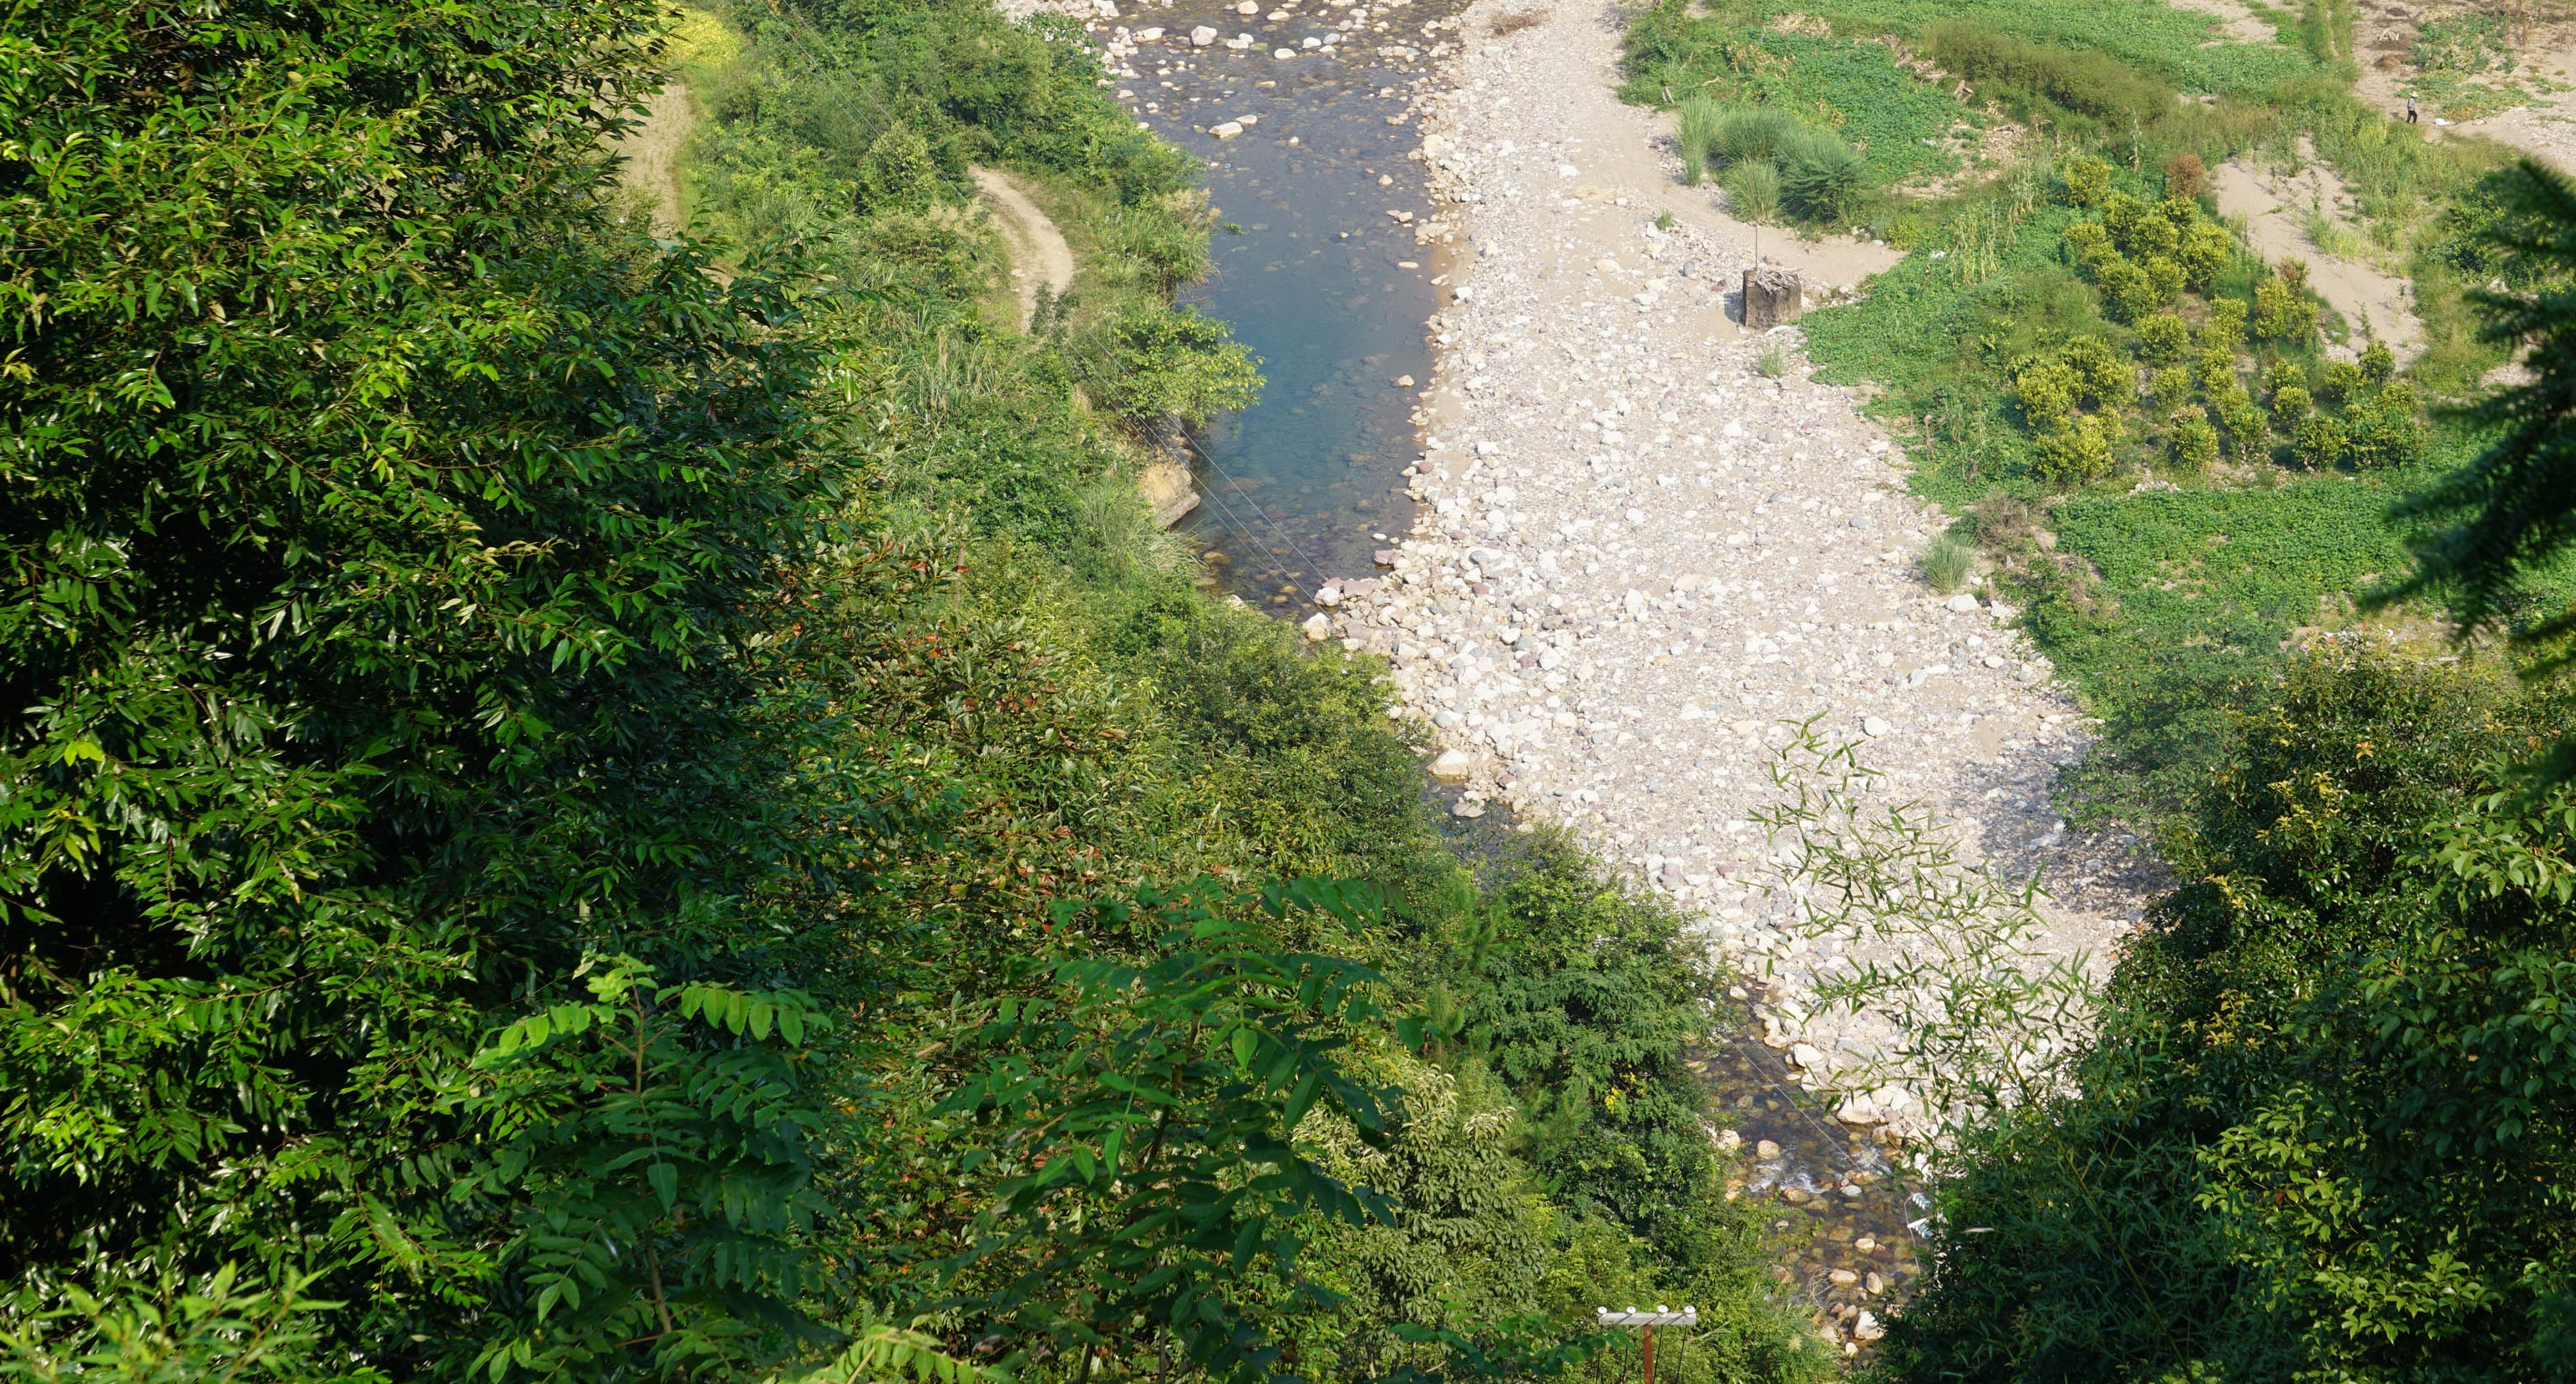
2088,181
2281,373
2340,381
2163,339
2215,369
1154,360
2224,328
2185,176
897,174
2203,254
2282,313
2108,377
2290,403
2078,453
2138,228
2194,445
2384,430
1753,190
2046,393
2172,388
2378,363
2319,443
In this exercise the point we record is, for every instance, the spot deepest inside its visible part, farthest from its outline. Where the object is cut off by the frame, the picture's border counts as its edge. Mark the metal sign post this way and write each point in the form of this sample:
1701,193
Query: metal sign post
1661,1316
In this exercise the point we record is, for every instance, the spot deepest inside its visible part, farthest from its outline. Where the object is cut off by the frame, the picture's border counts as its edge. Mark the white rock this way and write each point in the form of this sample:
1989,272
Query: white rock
1202,36
1453,765
1328,595
1808,1056
1317,626
1225,129
1766,1150
1874,726
1867,1327
1248,7
1728,1141
1962,603
1859,1110
1283,54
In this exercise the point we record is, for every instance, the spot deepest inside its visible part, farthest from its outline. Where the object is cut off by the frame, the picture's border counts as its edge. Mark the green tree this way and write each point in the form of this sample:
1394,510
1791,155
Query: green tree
2504,516
384,522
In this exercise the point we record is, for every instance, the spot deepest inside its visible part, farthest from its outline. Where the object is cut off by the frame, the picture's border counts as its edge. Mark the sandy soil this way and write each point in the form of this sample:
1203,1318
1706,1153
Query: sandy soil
1038,252
2274,205
1638,556
652,153
2383,40
2546,128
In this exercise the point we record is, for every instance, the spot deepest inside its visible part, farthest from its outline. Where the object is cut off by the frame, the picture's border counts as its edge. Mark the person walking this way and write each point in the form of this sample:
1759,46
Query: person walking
2410,110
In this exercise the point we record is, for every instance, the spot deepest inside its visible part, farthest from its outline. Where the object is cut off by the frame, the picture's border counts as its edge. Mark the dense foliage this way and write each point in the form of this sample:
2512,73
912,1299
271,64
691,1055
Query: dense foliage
591,806
2324,1131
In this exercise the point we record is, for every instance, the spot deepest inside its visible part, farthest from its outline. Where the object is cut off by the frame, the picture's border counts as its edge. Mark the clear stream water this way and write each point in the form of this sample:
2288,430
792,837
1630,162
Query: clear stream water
1334,297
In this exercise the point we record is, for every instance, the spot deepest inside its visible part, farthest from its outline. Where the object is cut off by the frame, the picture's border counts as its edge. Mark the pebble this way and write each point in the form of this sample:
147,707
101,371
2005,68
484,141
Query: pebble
1766,1150
1637,559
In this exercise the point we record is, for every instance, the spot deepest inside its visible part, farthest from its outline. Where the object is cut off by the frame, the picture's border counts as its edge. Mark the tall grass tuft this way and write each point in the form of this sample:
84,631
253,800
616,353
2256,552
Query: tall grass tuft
1700,119
1822,178
1753,190
1947,564
1762,133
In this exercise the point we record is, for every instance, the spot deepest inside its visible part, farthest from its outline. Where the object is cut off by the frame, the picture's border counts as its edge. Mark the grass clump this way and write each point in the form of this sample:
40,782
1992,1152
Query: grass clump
1753,190
1700,119
1948,563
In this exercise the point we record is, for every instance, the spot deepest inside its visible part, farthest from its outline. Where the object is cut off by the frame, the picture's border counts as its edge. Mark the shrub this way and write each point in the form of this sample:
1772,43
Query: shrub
2340,381
1700,118
2224,328
2138,228
1753,189
897,173
2077,453
1822,178
2319,442
2203,254
2107,375
1947,564
1772,363
2282,312
2088,181
2248,436
2164,278
2378,363
2184,176
2279,374
2127,292
2194,444
2215,369
2290,403
2163,339
2172,388
2046,393
1154,360
2383,430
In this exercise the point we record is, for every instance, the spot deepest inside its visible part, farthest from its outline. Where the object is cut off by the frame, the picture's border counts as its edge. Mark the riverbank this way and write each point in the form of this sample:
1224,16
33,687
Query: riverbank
1642,554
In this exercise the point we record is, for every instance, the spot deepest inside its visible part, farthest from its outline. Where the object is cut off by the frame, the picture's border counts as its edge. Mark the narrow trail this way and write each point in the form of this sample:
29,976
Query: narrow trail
652,153
1038,252
2275,205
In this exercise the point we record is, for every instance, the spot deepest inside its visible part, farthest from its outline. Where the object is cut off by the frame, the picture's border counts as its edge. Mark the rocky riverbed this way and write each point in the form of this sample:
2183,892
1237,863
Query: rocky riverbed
1649,545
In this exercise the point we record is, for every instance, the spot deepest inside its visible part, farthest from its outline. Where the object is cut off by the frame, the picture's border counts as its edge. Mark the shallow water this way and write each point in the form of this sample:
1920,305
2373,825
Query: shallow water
1312,275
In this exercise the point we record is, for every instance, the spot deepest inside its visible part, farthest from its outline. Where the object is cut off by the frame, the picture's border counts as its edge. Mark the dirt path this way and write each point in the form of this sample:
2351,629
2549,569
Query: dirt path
1639,555
652,153
2274,206
1038,252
